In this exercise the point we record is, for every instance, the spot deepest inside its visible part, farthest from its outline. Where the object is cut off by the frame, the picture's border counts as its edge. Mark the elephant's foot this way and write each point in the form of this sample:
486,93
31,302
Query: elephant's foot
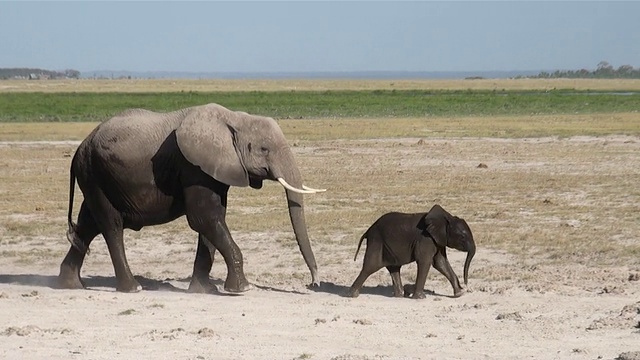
353,293
315,282
409,289
458,293
69,278
234,284
202,286
128,286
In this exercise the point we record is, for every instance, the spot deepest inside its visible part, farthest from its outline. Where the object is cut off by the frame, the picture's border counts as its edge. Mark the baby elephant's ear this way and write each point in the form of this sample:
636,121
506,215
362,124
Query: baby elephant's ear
436,225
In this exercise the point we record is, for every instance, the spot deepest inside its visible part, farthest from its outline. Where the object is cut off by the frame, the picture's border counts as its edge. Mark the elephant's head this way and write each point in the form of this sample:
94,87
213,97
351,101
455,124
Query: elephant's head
451,231
239,149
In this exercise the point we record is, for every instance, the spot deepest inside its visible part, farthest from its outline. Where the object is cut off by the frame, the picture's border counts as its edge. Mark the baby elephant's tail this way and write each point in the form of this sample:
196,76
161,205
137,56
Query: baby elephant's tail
360,243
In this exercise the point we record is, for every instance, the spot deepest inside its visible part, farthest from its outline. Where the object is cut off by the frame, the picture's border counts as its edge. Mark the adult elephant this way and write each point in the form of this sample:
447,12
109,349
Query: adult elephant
144,168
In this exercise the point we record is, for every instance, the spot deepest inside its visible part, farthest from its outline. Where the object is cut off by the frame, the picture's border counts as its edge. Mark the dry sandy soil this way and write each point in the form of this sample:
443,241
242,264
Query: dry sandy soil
556,275
172,85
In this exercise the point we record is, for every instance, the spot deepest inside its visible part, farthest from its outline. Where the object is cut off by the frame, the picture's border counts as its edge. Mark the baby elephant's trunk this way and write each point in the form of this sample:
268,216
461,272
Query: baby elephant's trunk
467,262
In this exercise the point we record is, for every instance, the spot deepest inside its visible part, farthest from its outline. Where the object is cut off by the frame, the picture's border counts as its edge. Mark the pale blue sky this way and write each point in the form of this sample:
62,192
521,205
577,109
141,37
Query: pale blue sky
304,36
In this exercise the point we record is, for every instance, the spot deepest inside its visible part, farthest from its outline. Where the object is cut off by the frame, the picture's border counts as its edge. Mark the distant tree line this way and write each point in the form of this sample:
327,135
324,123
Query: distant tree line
37,74
603,71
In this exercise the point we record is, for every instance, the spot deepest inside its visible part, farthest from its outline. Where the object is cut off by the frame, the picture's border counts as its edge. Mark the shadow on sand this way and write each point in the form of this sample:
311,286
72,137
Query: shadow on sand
342,290
90,282
98,283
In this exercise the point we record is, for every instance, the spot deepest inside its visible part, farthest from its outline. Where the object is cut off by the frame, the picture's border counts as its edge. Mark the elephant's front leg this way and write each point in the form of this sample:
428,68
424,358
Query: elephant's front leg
421,279
221,239
441,263
200,282
206,215
424,253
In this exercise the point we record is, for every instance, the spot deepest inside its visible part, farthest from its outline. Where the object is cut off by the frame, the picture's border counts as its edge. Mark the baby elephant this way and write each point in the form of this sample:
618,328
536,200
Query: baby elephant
396,239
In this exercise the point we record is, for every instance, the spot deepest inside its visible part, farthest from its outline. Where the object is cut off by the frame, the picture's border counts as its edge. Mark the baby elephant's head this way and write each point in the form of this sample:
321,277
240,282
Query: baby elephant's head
451,231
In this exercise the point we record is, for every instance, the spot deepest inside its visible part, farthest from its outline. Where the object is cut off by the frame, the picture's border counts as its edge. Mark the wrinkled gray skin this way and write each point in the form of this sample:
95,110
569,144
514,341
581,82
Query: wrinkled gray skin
396,239
143,168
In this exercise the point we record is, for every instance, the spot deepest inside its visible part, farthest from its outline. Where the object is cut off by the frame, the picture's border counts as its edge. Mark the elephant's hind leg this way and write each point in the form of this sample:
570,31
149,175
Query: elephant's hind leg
111,225
396,280
115,243
81,236
366,271
371,263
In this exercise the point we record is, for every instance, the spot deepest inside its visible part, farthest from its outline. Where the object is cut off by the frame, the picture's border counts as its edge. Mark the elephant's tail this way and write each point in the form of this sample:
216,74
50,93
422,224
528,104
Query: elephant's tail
72,233
359,244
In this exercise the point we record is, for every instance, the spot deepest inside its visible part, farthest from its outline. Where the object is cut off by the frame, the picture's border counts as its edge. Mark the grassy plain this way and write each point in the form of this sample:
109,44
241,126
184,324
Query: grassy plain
79,107
551,201
550,189
298,130
96,100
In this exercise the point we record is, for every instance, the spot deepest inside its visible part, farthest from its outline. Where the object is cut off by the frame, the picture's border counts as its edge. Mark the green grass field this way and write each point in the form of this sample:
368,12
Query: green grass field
83,107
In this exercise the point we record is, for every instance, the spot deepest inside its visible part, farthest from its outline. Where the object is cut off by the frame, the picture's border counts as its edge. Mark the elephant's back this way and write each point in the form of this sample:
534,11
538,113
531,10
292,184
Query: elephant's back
400,218
139,125
393,222
129,141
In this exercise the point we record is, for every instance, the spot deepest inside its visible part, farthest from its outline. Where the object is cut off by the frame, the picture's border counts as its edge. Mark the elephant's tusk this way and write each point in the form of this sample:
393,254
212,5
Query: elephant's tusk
289,187
312,189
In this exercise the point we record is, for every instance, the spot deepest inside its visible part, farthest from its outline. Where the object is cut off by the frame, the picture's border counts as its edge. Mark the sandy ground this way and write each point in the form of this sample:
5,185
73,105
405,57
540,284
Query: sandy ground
497,320
526,309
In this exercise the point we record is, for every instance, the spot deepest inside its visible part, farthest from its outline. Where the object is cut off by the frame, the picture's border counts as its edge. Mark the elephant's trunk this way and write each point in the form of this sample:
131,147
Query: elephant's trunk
470,254
296,213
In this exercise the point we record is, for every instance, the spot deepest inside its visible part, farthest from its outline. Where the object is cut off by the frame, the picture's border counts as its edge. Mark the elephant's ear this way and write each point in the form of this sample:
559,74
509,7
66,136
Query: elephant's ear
208,141
436,225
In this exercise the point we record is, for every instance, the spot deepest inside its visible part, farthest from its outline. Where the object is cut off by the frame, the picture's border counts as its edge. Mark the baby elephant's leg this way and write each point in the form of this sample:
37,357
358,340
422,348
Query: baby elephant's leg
397,281
424,253
371,263
421,279
441,263
366,271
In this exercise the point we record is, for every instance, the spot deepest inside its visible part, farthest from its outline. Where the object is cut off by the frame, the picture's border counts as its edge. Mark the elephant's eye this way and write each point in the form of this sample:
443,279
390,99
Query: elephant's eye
264,150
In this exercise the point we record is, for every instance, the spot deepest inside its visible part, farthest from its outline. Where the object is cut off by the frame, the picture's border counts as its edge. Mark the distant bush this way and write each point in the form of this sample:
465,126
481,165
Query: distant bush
603,71
37,74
